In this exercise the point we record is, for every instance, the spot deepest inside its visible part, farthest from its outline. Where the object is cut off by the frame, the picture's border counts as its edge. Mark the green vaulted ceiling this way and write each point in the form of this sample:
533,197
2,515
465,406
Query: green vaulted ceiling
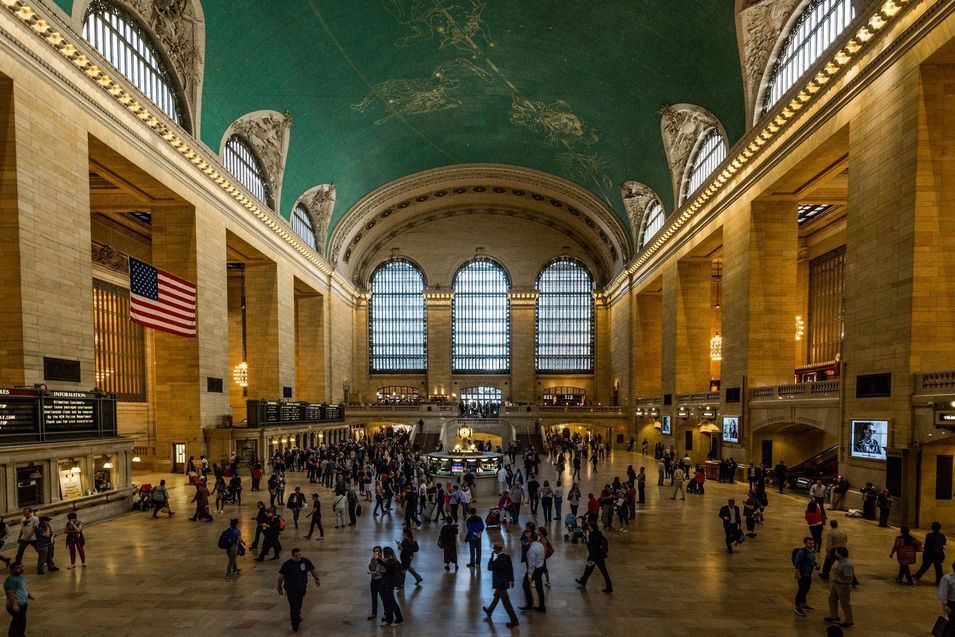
379,89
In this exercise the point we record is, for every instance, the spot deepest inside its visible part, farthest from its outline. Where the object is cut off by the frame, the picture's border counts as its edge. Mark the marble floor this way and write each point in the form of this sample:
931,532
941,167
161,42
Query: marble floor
671,577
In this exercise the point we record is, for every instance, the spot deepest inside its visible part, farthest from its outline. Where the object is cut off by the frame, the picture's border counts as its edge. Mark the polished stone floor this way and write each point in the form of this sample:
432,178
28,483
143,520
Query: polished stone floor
671,577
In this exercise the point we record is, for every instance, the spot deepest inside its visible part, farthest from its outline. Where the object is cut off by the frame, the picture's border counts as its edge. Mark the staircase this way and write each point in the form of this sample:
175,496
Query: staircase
427,442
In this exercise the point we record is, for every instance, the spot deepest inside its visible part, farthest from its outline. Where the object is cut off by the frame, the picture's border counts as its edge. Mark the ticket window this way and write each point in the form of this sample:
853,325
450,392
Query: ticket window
29,486
103,472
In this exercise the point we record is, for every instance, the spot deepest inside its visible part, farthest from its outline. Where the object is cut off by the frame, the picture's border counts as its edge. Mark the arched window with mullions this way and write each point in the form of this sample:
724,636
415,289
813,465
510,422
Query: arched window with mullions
397,325
303,227
125,44
565,318
653,224
240,160
818,26
481,319
708,155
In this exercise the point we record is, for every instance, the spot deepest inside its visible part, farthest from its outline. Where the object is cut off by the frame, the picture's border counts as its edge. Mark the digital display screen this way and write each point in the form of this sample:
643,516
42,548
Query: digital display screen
731,428
869,438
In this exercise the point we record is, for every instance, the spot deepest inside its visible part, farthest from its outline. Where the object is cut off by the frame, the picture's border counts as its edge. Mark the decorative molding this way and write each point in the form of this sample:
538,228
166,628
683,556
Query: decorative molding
109,257
267,133
637,199
760,27
682,126
320,203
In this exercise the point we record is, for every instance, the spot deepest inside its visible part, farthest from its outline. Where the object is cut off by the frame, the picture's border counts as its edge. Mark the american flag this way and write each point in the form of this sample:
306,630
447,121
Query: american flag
161,300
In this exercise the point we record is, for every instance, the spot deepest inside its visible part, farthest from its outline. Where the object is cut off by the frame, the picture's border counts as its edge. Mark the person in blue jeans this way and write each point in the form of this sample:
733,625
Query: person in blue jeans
474,529
804,563
18,597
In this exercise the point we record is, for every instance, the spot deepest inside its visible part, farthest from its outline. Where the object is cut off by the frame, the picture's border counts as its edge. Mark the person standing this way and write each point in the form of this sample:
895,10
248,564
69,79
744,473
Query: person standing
261,518
818,493
558,500
473,531
390,580
835,538
377,570
517,498
547,501
904,551
75,540
642,486
730,515
338,508
843,578
293,581
533,493
231,542
597,550
573,498
407,547
502,579
839,490
295,502
781,470
316,515
535,575
18,598
661,472
933,553
804,563
814,519
884,501
352,499
44,546
448,542
678,487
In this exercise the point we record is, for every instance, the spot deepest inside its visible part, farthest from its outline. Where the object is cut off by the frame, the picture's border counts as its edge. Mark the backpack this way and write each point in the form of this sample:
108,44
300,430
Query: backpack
159,495
226,540
795,553
281,524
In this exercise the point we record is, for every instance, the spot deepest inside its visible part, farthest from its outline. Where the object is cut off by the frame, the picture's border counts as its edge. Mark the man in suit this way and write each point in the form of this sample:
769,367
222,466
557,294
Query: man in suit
596,556
729,513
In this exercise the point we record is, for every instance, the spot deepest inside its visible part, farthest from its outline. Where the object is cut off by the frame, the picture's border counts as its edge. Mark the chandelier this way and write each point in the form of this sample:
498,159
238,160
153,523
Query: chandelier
716,348
716,343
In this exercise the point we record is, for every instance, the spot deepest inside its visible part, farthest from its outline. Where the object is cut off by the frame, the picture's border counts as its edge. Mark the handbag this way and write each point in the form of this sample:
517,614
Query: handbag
940,625
358,510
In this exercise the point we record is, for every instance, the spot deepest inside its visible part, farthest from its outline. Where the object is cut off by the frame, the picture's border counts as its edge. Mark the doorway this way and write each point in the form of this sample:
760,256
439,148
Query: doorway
766,453
178,457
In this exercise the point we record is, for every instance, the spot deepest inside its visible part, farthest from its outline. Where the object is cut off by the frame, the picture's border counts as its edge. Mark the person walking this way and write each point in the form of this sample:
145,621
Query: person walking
75,540
316,515
232,543
407,547
835,538
18,598
597,551
390,580
44,546
160,498
730,515
818,493
271,529
884,501
338,508
296,501
201,498
781,470
473,532
933,553
448,542
558,500
839,593
547,501
27,536
534,575
573,498
502,579
261,518
661,472
517,498
678,487
293,581
804,563
814,519
904,550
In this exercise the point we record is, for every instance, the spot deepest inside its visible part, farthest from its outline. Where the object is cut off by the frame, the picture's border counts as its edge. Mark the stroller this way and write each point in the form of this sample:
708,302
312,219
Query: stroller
575,532
493,519
145,501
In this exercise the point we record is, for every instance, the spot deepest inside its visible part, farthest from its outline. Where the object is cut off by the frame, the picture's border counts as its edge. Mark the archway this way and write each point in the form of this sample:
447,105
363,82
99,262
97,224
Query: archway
792,442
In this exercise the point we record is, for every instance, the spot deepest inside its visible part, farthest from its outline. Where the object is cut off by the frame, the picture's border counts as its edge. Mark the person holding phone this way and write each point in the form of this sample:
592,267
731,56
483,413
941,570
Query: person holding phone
377,570
502,579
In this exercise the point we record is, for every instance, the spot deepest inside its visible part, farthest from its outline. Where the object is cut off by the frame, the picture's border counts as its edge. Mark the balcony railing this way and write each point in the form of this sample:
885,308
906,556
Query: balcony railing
936,382
703,397
426,408
799,391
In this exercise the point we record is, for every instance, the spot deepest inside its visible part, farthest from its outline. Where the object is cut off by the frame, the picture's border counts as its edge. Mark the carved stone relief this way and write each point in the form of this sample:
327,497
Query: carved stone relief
320,202
681,126
267,132
761,25
637,198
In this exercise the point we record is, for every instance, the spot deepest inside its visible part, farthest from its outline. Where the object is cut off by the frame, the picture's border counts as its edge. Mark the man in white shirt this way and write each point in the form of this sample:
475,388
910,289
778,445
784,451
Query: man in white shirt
678,484
27,535
818,493
535,574
946,595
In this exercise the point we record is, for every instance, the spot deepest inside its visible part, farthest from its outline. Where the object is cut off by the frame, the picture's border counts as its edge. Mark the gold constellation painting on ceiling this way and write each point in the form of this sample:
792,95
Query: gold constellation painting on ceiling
460,24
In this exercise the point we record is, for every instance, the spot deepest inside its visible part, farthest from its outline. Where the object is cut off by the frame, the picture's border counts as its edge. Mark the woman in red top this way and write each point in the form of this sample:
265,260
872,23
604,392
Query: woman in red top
593,508
904,550
814,520
503,506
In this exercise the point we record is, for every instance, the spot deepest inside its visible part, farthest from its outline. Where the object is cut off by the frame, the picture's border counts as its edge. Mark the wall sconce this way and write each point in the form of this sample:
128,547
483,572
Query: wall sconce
137,459
107,465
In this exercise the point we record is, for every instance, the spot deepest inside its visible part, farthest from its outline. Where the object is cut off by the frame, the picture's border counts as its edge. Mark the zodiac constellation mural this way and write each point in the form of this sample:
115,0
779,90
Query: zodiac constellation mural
459,24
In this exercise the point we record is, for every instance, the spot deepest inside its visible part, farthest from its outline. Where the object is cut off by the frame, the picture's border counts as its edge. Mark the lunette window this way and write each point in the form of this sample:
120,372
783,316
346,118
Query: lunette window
302,225
654,224
119,38
480,319
710,154
240,160
565,318
396,319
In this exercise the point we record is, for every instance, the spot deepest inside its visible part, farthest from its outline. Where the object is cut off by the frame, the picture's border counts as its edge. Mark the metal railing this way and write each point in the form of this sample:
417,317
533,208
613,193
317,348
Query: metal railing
943,382
817,390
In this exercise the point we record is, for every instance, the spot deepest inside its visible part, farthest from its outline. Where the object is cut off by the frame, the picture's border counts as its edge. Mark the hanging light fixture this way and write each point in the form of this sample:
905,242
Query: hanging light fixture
800,328
716,343
240,374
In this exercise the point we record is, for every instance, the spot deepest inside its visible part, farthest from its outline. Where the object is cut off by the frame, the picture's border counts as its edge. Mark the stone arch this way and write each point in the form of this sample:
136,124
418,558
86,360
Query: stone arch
267,133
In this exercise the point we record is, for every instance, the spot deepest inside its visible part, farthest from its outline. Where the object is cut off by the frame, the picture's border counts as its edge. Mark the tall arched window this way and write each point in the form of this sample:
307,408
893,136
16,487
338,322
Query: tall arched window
816,28
480,319
240,160
565,318
302,225
397,328
653,224
709,154
119,38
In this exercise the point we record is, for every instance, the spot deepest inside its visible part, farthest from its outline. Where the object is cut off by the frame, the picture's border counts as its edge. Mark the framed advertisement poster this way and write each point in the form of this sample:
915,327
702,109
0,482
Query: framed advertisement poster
731,428
869,438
